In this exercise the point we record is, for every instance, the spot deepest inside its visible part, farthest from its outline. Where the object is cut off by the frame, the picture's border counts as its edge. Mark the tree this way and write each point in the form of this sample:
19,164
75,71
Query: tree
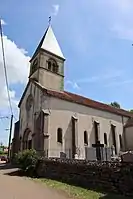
131,110
1,144
115,104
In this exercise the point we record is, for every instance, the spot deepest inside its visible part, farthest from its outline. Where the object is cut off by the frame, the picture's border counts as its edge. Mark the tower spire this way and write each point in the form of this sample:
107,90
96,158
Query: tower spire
49,42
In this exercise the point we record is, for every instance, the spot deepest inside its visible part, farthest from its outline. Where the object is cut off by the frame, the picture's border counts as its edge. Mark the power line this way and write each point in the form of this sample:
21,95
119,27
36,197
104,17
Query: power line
7,87
15,117
4,117
5,70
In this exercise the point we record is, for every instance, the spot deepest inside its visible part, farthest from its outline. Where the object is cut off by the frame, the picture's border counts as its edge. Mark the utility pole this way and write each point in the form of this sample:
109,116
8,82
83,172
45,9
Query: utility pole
7,86
10,135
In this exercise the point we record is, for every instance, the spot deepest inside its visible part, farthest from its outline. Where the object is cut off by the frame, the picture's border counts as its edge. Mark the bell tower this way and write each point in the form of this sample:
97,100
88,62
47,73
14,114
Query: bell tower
47,63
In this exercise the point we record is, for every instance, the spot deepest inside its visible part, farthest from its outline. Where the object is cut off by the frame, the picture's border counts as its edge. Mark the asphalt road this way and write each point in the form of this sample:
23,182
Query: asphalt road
14,187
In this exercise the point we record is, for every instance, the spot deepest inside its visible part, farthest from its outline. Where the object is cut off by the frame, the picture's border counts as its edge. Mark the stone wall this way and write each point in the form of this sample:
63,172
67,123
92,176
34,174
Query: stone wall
108,176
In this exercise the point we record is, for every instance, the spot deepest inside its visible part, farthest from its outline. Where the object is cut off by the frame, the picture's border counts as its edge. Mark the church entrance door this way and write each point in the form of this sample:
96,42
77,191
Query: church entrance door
27,139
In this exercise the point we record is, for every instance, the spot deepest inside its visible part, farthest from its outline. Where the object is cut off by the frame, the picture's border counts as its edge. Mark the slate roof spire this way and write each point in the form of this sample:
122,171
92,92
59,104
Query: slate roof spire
50,43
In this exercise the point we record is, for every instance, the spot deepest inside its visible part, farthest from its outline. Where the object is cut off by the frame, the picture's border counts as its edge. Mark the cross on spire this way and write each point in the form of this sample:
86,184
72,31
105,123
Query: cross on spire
49,21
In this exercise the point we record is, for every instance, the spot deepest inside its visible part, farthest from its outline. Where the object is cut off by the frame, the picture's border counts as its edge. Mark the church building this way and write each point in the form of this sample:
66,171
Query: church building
56,122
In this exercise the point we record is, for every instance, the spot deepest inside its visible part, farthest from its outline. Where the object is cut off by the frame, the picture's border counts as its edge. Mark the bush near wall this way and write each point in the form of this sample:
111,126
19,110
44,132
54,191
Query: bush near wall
27,161
113,177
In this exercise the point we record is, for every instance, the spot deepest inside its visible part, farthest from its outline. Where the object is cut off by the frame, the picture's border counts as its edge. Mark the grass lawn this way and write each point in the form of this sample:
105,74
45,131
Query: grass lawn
78,192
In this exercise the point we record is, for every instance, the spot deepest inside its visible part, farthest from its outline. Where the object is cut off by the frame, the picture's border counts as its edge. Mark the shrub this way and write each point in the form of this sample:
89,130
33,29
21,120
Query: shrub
27,161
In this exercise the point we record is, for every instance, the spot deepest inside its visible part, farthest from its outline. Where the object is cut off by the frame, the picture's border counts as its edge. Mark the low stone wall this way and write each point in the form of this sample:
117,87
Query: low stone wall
113,177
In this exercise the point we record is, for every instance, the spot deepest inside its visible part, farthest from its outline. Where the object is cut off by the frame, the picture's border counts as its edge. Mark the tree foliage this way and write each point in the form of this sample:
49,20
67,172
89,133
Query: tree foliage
115,104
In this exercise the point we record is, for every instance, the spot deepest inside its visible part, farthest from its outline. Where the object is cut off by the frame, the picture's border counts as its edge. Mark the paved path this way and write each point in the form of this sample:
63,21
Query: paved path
13,187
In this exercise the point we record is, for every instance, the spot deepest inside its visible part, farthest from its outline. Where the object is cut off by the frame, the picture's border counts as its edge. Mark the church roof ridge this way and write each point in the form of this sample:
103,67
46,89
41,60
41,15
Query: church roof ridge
72,97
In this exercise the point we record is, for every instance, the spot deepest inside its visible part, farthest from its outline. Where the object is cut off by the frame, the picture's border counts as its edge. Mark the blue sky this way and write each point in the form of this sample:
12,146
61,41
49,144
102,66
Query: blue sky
95,36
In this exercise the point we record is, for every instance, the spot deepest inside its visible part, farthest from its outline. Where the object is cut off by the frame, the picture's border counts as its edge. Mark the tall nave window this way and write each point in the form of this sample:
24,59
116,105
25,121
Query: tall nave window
59,135
105,139
85,138
120,139
96,124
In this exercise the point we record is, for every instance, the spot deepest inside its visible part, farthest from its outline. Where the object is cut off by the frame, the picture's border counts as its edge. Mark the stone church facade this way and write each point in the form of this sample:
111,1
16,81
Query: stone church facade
54,121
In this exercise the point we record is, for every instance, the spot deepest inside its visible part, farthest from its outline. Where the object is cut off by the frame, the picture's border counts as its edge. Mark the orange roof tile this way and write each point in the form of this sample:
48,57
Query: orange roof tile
71,97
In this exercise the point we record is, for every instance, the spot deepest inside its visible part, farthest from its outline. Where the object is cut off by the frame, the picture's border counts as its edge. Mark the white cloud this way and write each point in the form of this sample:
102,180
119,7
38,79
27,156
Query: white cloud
119,83
119,14
23,51
55,9
74,85
107,76
17,63
3,22
124,6
111,78
116,15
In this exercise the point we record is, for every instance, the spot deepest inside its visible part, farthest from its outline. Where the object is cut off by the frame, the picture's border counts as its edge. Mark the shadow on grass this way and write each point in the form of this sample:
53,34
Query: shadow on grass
106,194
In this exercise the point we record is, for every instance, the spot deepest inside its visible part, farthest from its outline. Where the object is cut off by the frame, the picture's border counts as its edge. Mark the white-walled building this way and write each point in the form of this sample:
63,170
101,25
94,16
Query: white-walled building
53,120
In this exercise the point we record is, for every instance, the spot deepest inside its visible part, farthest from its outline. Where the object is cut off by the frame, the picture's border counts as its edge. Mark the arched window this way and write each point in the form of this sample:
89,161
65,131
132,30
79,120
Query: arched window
96,130
85,138
55,68
120,139
105,139
59,135
34,65
52,65
49,65
29,102
27,139
113,130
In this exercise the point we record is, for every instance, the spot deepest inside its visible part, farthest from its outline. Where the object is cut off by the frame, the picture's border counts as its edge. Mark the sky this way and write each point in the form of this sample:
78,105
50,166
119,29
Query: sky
96,39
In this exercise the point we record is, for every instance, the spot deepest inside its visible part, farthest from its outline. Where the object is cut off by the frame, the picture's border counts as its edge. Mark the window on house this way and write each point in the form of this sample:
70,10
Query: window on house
120,139
114,137
105,139
59,135
55,68
49,65
85,138
29,102
34,66
96,131
52,65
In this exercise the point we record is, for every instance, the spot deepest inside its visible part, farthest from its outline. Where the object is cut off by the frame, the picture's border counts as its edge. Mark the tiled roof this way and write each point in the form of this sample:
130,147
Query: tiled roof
64,95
